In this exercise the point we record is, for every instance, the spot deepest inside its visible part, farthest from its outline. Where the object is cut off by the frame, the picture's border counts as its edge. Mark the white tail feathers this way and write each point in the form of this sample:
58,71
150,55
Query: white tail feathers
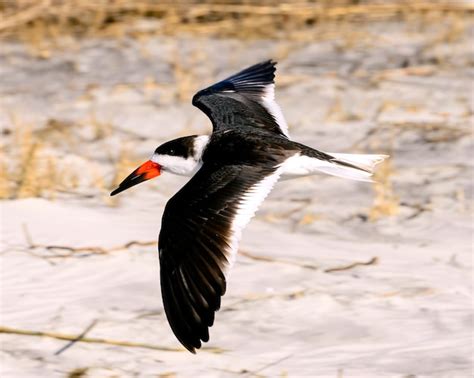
357,167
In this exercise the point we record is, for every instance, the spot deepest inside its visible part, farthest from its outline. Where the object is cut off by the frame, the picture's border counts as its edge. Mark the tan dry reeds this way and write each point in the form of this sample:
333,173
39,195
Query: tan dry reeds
34,20
31,165
386,202
32,170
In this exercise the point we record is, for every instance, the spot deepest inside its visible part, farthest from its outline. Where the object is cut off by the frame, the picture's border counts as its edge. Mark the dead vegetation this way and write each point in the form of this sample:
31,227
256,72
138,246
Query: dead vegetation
43,161
386,202
96,340
37,21
32,170
63,251
54,252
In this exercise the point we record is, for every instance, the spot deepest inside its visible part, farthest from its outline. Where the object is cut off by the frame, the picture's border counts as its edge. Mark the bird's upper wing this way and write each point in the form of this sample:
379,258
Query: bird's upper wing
246,98
198,243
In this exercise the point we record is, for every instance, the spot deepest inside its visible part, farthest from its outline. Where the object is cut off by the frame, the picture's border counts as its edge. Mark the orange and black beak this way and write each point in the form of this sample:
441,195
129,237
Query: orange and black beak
144,172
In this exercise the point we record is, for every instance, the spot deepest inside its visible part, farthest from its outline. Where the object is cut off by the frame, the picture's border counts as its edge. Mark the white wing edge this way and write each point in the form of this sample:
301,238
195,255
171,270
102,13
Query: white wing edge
248,205
268,101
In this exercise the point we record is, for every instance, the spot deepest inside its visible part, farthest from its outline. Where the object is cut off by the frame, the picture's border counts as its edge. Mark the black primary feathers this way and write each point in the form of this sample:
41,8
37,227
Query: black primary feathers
244,99
198,243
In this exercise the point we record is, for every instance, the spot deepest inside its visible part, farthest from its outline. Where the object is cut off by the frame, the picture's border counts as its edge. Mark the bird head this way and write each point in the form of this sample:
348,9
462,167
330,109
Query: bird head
180,156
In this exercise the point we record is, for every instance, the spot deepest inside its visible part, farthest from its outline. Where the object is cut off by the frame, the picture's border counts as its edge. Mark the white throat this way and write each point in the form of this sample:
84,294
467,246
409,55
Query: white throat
181,166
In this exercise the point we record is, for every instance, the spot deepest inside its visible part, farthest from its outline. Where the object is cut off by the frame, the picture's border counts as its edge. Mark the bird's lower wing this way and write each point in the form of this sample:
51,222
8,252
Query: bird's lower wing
198,243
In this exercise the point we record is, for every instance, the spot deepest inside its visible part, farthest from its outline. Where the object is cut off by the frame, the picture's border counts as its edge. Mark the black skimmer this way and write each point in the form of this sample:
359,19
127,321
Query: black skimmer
232,170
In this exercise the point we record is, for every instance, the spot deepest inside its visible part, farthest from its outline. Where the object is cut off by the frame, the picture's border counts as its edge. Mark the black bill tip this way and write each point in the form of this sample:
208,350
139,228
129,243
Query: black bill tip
116,191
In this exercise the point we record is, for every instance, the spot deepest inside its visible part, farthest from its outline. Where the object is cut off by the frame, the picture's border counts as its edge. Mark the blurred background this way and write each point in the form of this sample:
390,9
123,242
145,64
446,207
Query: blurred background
335,278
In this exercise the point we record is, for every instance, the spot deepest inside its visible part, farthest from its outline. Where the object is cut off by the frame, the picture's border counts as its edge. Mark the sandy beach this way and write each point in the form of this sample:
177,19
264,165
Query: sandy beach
336,278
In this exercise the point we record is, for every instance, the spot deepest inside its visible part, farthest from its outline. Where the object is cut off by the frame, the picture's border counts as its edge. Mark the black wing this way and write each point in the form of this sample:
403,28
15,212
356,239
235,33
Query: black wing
244,99
198,242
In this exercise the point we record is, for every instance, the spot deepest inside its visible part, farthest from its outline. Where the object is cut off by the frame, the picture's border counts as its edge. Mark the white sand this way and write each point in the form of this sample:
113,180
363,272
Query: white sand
410,315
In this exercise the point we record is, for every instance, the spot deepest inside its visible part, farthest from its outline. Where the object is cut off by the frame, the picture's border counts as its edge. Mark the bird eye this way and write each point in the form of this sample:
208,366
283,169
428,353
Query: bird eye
171,152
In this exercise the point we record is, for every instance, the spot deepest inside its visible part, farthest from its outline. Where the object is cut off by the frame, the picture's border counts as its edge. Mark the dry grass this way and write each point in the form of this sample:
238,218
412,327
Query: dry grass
40,162
386,202
32,169
41,23
97,340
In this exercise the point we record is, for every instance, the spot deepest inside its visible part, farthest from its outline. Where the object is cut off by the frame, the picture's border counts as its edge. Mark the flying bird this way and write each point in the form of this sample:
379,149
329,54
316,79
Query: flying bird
232,171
